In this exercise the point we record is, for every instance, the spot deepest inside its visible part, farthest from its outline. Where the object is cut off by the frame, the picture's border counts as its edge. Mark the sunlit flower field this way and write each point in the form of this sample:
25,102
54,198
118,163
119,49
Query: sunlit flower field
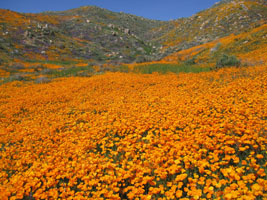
135,136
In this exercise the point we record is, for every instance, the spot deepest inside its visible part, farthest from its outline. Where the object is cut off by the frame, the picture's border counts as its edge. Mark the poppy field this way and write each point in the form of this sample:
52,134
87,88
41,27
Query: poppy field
136,136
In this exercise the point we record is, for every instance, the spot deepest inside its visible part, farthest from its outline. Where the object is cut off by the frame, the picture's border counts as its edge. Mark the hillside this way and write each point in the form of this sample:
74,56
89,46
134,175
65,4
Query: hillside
92,34
86,33
223,19
250,47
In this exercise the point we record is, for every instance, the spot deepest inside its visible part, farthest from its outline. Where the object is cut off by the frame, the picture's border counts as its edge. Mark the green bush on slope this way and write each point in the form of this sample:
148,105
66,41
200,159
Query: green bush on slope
227,60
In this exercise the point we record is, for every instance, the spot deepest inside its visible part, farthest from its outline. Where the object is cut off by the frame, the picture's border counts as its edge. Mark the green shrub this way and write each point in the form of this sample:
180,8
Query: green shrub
140,59
190,61
226,60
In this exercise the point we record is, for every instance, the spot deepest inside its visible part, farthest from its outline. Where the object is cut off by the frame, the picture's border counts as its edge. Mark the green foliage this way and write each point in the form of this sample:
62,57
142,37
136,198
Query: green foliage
140,59
227,60
56,62
216,47
123,68
166,68
15,77
190,61
71,71
118,68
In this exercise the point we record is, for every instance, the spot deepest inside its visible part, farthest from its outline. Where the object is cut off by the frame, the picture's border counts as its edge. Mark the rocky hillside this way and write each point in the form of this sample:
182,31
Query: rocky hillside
86,33
94,34
250,47
224,18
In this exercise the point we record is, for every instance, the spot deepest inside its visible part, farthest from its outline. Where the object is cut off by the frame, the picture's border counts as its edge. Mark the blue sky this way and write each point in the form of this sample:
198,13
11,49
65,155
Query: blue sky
152,9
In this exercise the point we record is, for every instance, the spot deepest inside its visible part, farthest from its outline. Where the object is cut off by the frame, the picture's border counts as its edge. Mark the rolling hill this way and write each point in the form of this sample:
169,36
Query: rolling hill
98,36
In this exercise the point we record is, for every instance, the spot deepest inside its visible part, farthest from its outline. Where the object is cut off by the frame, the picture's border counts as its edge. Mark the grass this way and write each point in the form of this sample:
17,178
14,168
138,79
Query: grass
123,68
72,71
89,70
15,77
52,62
166,68
49,73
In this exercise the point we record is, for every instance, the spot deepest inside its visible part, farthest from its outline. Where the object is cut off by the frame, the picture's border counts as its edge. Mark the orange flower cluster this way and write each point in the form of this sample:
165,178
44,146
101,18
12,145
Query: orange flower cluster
4,73
133,136
13,18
